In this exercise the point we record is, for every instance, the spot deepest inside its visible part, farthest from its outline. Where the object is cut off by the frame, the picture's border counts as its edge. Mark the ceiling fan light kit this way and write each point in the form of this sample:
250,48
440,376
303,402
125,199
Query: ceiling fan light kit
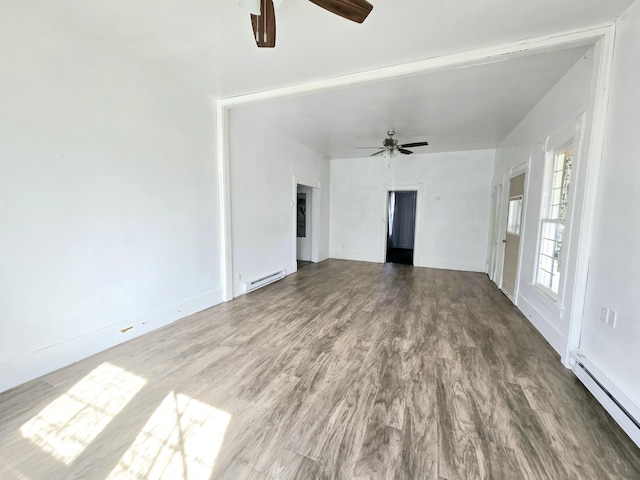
390,153
263,18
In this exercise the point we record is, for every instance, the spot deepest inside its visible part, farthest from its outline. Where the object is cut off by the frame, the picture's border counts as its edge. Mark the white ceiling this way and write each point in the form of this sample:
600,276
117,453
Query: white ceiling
209,43
208,46
457,109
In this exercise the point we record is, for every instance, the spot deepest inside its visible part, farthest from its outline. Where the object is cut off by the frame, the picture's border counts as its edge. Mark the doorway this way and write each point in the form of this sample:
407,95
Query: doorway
304,223
512,237
401,226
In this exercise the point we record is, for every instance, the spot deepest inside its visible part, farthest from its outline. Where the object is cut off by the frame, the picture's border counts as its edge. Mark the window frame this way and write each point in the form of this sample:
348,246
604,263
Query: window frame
551,154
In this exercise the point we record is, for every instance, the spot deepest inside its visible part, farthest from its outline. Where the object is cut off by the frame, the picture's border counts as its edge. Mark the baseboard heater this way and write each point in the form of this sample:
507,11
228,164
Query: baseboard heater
588,375
266,280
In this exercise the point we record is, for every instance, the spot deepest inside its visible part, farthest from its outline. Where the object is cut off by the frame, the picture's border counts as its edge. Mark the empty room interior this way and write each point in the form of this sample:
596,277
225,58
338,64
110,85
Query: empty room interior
252,239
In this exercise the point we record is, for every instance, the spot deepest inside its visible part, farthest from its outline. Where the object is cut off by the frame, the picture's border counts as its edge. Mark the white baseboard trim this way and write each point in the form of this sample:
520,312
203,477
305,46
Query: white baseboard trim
617,403
548,330
356,256
443,264
450,264
16,371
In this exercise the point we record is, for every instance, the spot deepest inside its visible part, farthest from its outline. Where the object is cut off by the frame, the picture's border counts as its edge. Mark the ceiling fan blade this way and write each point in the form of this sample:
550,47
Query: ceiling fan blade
264,25
377,153
354,10
405,151
416,144
365,147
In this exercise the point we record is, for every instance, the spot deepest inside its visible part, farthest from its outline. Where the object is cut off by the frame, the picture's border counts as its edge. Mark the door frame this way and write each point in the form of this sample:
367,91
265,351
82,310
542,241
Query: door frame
521,168
315,218
304,243
493,253
417,240
603,32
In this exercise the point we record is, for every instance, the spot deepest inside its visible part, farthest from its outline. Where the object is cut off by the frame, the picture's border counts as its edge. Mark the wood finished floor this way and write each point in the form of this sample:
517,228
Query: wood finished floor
344,370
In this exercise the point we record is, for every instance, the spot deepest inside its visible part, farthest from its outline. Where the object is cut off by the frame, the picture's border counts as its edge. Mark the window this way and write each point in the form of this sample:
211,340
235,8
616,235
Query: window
554,214
515,215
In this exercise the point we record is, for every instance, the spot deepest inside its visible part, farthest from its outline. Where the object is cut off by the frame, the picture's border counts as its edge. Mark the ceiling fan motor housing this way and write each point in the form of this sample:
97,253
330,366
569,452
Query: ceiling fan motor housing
390,143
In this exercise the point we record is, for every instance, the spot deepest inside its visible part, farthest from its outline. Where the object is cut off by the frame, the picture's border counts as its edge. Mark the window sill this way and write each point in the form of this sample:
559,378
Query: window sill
549,296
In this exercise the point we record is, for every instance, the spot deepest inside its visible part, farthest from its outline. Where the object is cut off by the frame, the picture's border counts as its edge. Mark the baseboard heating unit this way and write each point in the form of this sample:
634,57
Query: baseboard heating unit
624,411
266,280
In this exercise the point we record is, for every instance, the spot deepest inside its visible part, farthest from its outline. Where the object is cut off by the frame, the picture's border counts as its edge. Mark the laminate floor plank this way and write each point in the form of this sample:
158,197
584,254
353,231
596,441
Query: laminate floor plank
344,370
419,449
339,439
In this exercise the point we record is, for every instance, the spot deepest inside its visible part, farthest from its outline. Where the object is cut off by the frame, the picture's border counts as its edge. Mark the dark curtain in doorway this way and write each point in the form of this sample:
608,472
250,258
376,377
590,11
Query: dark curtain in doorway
402,219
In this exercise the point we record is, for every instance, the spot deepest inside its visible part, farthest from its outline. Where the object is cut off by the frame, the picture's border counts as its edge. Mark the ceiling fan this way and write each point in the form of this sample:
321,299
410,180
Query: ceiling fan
390,147
263,18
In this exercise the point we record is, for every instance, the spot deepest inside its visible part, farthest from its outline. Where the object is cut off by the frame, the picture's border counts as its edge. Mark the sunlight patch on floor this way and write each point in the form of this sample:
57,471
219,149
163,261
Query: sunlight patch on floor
181,440
71,422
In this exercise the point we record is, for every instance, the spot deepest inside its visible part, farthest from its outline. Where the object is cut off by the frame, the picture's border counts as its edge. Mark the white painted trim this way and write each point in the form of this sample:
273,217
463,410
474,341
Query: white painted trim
494,231
587,221
497,233
489,254
571,222
224,199
449,264
594,379
520,169
315,223
523,168
471,57
417,239
306,182
539,320
356,256
502,228
21,369
570,133
585,36
539,152
315,220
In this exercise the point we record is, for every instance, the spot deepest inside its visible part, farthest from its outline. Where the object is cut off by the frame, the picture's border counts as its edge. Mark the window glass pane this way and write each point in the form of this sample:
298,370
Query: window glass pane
515,216
550,259
557,180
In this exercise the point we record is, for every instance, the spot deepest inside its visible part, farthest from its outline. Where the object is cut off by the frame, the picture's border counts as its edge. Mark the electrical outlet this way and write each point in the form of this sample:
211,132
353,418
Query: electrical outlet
604,313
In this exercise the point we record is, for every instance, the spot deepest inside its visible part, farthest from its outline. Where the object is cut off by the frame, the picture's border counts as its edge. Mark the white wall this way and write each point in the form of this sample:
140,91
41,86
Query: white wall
557,111
265,167
614,269
452,217
108,198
